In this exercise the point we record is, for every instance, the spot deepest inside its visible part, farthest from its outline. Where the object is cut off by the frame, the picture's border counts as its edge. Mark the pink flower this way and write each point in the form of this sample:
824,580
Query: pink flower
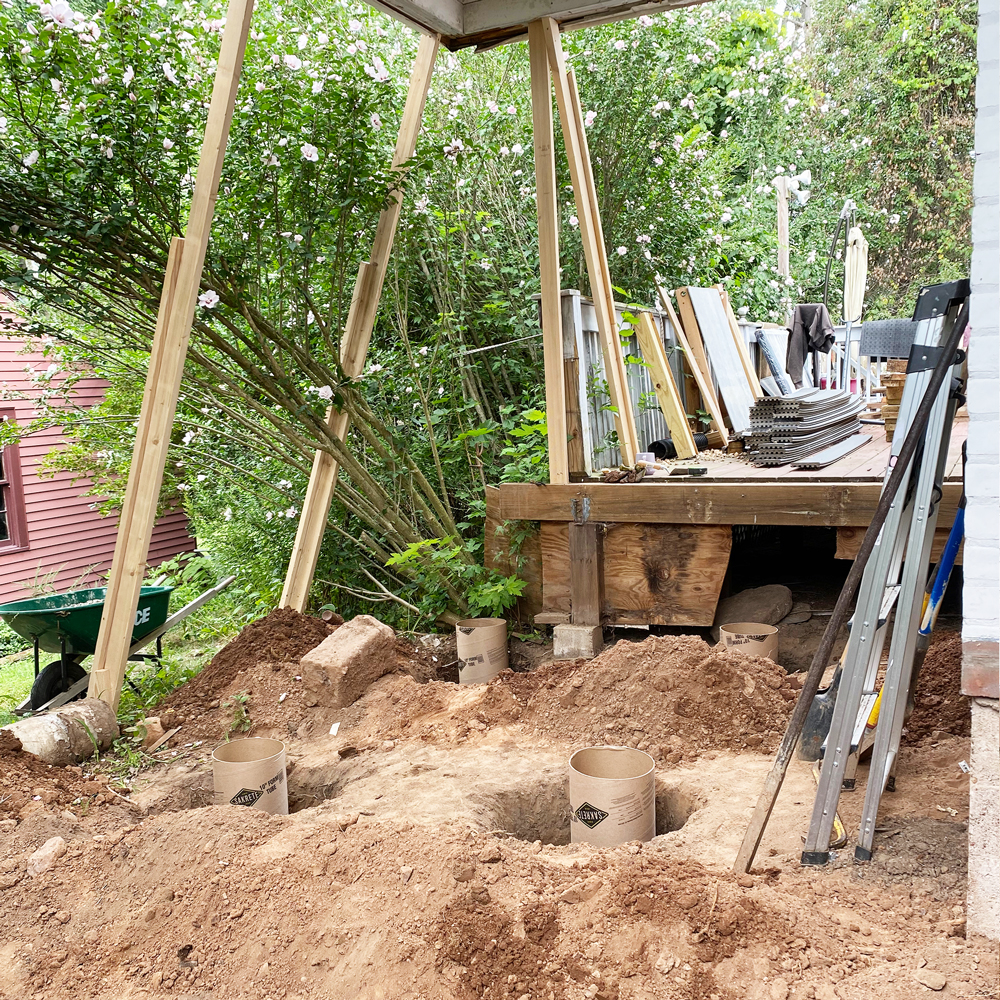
309,152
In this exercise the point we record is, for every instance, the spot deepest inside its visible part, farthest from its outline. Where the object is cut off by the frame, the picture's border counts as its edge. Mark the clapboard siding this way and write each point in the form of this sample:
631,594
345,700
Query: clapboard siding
69,543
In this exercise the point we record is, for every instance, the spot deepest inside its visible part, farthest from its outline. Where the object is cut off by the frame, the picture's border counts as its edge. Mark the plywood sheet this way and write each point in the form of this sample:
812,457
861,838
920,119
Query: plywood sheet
654,574
526,563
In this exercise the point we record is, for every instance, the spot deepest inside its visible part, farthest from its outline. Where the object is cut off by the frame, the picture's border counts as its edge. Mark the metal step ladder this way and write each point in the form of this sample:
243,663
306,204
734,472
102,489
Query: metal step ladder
895,573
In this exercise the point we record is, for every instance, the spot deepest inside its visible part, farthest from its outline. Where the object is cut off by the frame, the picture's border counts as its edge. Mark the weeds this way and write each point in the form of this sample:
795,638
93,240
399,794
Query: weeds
239,706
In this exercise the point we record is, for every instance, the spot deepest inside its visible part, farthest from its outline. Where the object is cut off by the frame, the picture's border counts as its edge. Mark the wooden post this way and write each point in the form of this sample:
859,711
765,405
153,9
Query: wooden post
741,346
592,238
548,254
781,187
689,333
178,299
586,572
663,384
354,344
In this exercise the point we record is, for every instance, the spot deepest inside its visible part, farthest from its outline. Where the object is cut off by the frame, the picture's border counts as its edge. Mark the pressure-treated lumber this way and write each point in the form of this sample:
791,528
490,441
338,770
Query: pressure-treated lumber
663,383
592,239
741,346
354,343
789,501
702,375
586,572
547,206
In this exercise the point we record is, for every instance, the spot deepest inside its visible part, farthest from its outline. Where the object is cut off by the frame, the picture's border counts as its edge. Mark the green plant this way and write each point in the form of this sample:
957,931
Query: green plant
239,706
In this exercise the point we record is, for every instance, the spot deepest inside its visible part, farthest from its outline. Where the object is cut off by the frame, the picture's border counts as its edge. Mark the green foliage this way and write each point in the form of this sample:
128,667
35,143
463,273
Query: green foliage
239,707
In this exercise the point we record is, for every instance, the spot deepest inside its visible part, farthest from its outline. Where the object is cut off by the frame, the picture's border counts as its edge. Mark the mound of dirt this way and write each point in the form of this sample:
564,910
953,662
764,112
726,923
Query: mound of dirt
253,686
940,706
673,696
29,784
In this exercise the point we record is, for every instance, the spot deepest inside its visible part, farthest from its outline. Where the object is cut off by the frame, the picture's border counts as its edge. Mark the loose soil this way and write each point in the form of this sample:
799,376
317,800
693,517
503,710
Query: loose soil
427,857
940,708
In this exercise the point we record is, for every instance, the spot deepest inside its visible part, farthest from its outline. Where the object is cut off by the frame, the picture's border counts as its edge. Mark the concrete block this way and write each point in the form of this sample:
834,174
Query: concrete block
577,642
983,906
340,669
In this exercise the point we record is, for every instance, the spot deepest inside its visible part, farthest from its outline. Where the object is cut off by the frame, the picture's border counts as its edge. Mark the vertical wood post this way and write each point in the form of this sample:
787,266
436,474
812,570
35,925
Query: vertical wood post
178,299
663,385
586,568
781,187
592,238
548,254
354,343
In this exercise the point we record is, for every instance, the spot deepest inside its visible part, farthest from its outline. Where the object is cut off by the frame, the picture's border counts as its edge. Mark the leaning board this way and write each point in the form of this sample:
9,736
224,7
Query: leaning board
724,355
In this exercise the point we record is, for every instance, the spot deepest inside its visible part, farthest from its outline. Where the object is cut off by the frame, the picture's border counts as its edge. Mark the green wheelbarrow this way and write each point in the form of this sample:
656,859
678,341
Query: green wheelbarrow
68,624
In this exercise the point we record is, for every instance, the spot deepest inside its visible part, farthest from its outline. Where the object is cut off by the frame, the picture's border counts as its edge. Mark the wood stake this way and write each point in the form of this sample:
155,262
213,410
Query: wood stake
593,240
548,254
741,347
354,344
666,391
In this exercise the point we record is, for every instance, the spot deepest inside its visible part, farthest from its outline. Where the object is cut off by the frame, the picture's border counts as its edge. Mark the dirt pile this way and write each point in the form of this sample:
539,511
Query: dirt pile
940,706
673,696
324,905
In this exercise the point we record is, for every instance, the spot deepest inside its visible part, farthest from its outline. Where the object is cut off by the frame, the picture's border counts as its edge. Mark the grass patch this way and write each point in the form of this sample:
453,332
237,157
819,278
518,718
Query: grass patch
17,674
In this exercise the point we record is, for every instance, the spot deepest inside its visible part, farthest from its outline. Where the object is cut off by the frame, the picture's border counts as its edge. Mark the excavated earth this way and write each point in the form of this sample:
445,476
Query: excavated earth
426,854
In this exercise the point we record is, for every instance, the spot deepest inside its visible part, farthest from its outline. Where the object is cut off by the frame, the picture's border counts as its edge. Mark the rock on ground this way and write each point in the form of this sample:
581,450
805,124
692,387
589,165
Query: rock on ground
341,668
46,855
765,605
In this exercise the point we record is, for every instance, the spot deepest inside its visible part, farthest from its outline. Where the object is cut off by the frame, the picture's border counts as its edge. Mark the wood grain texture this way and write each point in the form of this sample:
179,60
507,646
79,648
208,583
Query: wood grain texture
663,385
741,347
526,563
836,504
849,541
586,572
669,574
547,207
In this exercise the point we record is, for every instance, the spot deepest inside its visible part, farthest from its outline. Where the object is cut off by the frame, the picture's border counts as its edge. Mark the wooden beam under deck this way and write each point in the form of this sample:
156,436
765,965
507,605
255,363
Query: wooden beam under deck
819,504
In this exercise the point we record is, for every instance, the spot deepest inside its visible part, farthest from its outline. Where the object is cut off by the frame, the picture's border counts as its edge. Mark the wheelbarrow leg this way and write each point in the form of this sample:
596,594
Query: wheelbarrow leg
36,657
62,662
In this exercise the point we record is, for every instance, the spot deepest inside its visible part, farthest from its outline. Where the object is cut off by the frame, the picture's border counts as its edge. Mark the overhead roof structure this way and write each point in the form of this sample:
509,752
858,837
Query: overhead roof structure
485,23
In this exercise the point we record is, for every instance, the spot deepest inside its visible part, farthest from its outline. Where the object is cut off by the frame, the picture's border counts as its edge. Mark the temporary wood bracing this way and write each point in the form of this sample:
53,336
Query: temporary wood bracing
183,279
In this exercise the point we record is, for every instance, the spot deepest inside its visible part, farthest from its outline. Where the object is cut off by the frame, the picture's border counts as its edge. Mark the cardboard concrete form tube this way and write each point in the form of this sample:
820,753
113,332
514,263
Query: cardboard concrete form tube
251,772
482,649
752,638
612,796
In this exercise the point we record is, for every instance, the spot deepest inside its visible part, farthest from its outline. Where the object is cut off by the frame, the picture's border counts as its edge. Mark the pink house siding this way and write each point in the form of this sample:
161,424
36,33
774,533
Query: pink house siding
69,544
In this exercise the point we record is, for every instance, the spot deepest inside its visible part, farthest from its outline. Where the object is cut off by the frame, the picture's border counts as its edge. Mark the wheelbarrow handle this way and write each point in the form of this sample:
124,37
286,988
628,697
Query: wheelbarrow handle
178,616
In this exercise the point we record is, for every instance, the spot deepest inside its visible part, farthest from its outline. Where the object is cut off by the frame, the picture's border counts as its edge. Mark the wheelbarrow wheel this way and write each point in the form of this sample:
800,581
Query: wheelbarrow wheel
49,682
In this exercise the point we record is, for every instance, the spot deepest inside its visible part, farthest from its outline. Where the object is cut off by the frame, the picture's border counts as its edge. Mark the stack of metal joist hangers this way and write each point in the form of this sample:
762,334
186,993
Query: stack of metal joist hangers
785,429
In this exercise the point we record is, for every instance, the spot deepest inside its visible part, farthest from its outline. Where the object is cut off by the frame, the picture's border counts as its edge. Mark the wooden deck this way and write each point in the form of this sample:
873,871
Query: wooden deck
666,542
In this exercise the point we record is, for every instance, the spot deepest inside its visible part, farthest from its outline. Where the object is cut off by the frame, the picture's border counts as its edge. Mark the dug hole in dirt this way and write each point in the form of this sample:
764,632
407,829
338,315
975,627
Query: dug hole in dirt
427,854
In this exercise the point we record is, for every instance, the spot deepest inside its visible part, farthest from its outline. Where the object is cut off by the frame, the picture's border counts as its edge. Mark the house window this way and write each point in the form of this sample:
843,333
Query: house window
13,525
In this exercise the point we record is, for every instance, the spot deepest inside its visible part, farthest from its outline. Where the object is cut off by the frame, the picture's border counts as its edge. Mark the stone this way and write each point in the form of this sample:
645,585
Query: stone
46,855
340,669
577,642
152,730
464,870
930,978
764,605
490,854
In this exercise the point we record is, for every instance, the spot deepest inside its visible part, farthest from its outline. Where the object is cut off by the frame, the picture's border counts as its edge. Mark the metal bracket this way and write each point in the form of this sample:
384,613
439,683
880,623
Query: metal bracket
580,506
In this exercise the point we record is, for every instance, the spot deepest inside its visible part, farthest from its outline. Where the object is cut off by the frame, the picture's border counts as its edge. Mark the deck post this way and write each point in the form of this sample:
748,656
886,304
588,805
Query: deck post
178,299
548,254
354,344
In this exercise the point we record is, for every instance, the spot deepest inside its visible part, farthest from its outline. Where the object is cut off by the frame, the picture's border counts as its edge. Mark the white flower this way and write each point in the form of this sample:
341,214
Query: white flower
354,25
227,514
646,21
298,238
377,71
259,86
209,299
3,124
128,76
291,512
505,151
31,159
492,107
310,317
351,49
283,141
317,87
375,368
423,350
485,264
589,119
303,41
511,110
453,149
170,73
517,149
59,12
574,221
619,45
188,437
268,516
325,392
168,144
375,120
893,219
309,152
284,484
658,160
726,217
622,251
292,61
323,38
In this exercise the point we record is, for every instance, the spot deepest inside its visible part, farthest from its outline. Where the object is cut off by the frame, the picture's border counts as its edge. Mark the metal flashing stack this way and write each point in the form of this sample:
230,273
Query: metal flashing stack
784,429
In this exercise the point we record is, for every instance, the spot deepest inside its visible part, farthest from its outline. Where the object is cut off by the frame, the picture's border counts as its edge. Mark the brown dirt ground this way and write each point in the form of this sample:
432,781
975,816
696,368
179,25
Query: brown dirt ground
153,899
940,708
